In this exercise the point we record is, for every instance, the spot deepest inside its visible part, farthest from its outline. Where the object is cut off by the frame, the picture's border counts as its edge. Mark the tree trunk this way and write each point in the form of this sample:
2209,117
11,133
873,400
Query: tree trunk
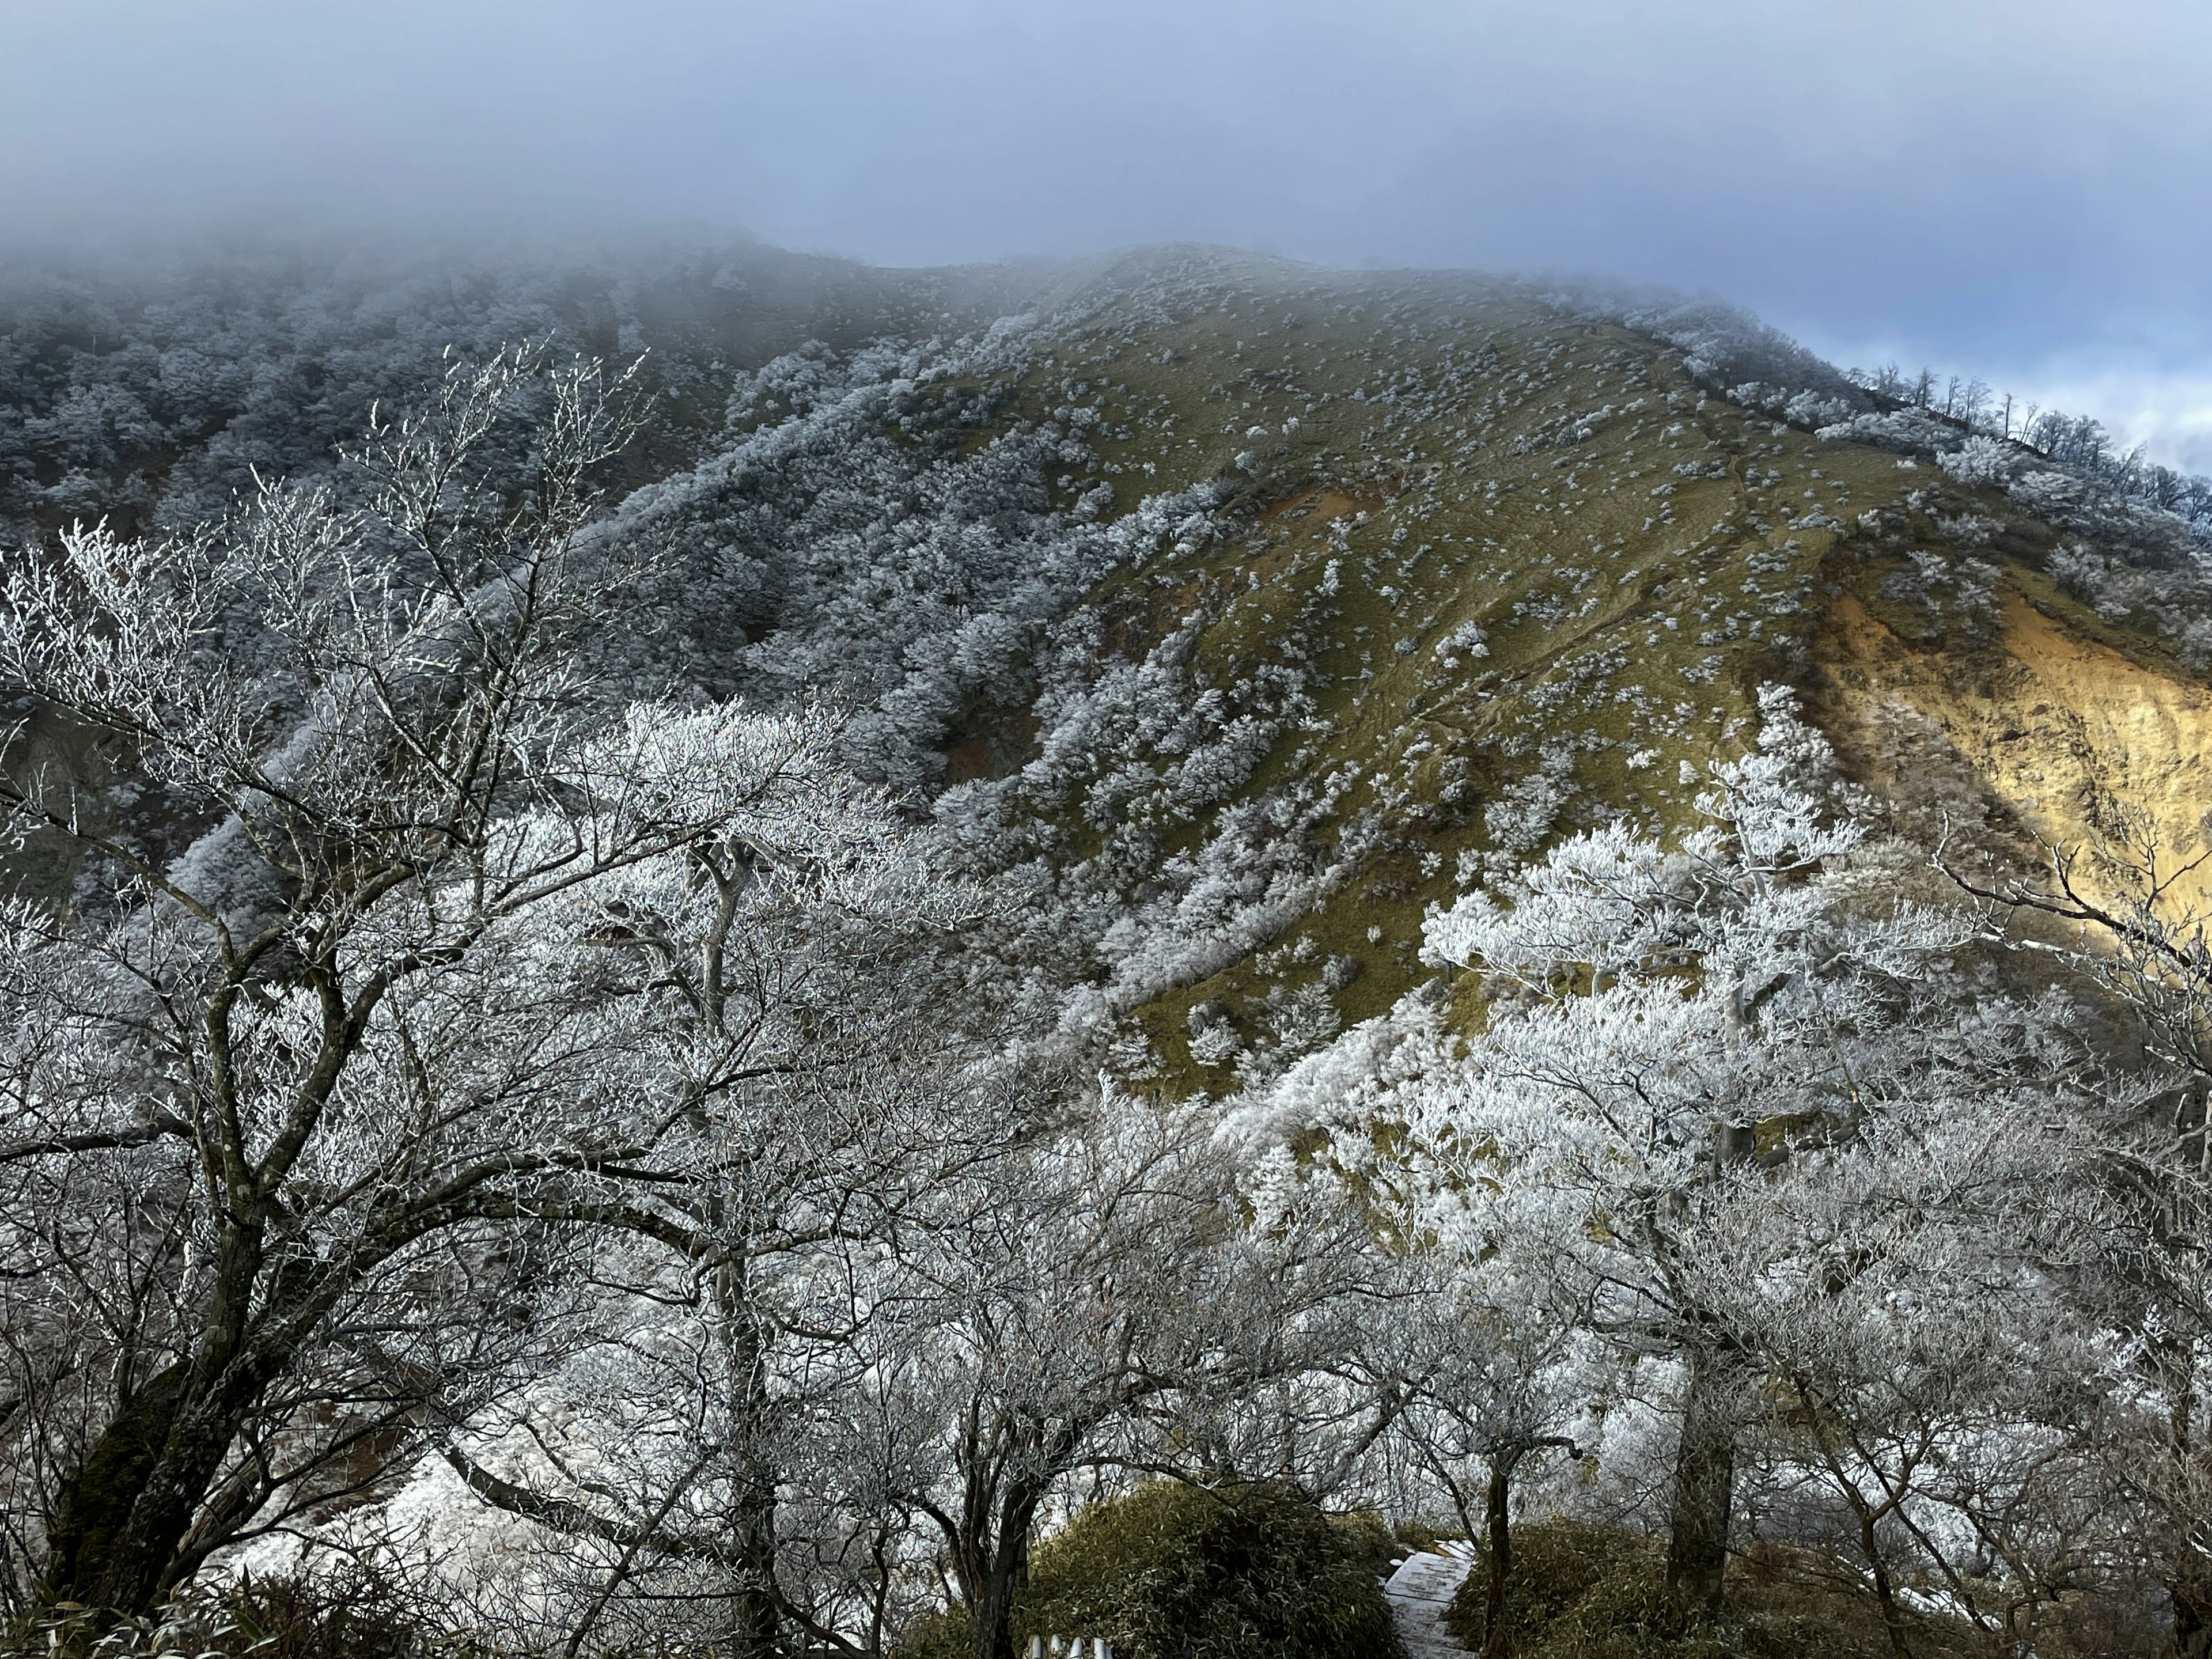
994,1613
755,1616
83,1552
1884,1592
2189,1586
1006,1571
2191,1590
1705,1483
126,1510
1497,1635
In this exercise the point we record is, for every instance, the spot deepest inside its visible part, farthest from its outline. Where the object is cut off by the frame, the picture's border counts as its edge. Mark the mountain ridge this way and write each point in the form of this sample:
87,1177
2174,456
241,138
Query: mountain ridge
1421,569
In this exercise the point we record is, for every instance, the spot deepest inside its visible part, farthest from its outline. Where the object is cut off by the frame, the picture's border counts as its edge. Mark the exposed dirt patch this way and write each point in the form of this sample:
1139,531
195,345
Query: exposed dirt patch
1299,524
1319,504
2055,729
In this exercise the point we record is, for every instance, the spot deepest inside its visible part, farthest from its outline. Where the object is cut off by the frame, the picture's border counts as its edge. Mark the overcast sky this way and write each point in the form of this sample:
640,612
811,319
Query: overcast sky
2022,190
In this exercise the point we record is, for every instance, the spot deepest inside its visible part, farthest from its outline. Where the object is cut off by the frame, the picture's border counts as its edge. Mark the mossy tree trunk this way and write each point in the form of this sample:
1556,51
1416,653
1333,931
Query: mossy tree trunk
93,1516
1704,1482
146,1504
119,1541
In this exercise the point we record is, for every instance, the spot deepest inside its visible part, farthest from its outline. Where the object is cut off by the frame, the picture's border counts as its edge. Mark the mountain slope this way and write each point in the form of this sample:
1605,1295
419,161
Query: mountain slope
1492,567
1248,609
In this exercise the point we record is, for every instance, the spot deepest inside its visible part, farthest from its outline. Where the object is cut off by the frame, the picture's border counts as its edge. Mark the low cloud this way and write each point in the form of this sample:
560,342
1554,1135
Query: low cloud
1985,184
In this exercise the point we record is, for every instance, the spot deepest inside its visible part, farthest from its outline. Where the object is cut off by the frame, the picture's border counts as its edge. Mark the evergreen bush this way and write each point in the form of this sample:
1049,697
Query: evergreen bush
1179,1572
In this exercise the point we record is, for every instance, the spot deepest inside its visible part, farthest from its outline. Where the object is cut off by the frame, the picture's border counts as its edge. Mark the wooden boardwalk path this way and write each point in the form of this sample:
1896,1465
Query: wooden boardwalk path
1418,1594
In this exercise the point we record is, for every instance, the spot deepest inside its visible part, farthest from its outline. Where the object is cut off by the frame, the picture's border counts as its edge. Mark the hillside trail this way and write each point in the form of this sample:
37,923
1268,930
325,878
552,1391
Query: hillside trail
1419,1591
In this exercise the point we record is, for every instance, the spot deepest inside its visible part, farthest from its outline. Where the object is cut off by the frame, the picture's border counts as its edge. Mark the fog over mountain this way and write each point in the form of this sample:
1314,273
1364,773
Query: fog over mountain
2002,189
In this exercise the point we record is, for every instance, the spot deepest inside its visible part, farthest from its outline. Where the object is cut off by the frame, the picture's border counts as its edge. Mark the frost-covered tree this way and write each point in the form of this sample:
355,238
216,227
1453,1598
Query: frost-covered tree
1488,1364
290,1112
1068,1299
2134,935
786,984
1663,1018
1100,1297
1674,1035
1922,1368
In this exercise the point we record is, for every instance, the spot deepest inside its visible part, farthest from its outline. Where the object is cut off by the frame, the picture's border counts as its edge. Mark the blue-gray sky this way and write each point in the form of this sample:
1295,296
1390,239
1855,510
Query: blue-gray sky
2020,190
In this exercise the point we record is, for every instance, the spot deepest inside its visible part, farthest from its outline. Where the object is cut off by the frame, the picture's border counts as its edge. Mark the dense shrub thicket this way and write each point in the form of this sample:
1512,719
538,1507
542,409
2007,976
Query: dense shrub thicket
1588,1591
1179,1572
349,1612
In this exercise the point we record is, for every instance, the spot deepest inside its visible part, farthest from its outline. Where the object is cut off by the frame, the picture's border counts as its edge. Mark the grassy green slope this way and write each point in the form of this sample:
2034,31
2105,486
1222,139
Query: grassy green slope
1640,554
